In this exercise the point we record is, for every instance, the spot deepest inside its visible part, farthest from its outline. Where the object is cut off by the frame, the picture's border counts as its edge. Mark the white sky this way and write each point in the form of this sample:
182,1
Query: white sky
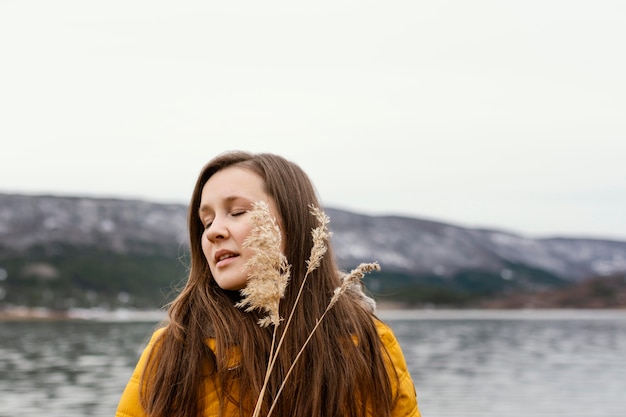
499,114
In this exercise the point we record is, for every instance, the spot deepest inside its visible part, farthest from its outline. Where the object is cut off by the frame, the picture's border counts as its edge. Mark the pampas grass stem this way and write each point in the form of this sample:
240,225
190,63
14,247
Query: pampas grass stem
354,276
268,279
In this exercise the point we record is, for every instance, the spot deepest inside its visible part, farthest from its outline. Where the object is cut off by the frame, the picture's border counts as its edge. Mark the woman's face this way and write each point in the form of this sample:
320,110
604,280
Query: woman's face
225,204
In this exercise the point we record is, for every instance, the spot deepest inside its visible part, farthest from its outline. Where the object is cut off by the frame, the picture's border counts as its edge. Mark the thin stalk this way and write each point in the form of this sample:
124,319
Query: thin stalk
274,354
257,407
291,368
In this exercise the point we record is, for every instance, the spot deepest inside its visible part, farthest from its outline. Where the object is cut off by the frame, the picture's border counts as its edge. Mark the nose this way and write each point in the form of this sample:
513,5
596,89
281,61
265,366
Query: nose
217,230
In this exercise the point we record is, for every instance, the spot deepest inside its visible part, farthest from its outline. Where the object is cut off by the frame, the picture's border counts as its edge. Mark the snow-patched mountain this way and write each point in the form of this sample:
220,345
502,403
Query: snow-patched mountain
426,247
403,244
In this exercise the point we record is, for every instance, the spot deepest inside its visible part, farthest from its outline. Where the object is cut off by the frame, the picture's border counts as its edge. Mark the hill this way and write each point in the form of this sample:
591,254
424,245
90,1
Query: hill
65,252
597,292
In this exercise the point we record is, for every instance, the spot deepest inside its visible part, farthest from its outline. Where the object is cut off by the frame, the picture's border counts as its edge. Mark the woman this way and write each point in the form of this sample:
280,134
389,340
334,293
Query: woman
211,356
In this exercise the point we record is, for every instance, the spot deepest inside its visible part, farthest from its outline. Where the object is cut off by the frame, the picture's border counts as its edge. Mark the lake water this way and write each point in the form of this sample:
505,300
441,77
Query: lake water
470,363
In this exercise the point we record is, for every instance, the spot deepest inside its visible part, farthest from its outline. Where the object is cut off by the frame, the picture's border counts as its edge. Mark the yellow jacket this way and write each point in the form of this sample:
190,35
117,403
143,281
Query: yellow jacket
406,406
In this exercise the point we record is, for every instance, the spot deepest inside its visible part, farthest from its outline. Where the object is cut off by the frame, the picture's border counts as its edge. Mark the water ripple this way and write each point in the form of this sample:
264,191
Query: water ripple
477,364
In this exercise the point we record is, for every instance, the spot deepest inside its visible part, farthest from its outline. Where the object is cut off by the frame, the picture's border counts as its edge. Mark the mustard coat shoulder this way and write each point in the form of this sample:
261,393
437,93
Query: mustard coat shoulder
406,406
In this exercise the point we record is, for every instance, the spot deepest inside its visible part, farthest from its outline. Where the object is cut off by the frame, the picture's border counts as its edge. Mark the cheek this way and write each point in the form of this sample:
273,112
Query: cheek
205,247
240,232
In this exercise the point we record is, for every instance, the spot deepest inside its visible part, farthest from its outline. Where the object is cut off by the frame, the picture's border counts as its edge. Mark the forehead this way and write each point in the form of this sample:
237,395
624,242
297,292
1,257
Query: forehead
233,182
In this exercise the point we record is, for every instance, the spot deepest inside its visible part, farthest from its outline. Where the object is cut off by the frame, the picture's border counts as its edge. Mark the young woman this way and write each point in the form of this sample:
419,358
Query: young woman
210,357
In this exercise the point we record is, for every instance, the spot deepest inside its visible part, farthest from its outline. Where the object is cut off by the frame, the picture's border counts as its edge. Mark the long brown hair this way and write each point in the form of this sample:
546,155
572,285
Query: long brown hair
341,373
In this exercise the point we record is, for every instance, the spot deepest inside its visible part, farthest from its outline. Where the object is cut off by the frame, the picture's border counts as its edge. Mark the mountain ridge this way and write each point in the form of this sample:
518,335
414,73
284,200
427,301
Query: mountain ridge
59,235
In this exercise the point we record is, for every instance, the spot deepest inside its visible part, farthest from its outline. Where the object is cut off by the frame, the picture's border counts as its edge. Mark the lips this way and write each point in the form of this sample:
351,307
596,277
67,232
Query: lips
224,257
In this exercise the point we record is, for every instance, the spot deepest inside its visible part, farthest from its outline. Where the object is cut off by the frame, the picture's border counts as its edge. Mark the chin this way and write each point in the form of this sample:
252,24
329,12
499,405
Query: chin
229,286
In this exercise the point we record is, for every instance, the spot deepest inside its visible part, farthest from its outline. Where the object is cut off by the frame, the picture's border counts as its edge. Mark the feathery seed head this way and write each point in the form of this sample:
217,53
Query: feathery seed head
268,269
320,236
354,277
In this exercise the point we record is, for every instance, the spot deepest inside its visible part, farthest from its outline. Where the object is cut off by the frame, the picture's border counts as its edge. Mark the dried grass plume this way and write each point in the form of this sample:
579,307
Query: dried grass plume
269,270
320,236
353,279
268,276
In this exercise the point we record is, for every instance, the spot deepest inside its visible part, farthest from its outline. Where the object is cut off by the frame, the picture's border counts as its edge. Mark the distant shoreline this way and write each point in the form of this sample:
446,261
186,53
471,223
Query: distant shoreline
384,312
44,314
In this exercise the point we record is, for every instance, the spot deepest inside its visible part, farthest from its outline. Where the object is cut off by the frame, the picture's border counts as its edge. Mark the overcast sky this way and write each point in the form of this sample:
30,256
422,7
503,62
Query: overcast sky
498,114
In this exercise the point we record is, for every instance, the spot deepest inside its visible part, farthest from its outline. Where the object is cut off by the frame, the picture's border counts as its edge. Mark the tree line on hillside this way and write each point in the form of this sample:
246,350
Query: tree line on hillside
79,277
